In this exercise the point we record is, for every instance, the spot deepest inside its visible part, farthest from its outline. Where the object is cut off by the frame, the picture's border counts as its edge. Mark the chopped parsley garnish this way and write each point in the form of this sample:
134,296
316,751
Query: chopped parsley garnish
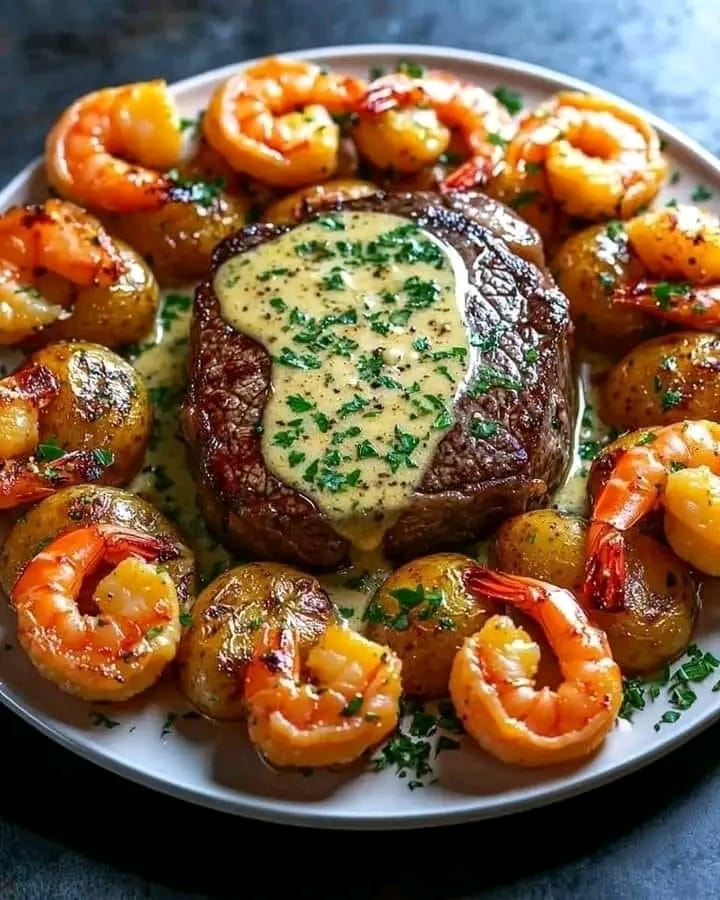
49,450
165,397
646,439
664,291
195,190
334,281
524,198
295,458
700,193
299,404
497,139
532,355
365,450
271,273
100,720
322,421
482,429
347,612
289,357
403,445
696,668
670,399
185,619
509,98
278,303
154,632
411,69
606,280
489,378
173,307
353,706
589,449
357,404
615,230
104,457
332,223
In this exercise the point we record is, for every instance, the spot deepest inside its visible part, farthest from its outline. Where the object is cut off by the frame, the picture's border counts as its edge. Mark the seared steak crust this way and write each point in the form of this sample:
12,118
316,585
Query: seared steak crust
520,370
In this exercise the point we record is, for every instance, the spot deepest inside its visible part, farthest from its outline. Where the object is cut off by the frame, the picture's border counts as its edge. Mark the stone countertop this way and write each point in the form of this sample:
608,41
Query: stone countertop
70,830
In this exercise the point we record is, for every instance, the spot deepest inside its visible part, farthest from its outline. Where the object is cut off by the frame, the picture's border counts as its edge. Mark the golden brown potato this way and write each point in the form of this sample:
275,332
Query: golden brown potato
587,267
661,598
544,544
103,404
82,505
218,644
423,612
661,606
177,240
293,206
665,380
123,313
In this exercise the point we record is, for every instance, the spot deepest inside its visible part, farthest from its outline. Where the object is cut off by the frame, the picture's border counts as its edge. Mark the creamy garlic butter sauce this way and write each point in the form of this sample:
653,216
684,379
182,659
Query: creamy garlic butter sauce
362,316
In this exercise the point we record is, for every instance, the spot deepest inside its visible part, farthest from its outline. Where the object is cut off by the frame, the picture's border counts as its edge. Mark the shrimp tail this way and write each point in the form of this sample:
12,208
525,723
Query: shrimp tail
22,481
470,174
514,589
120,543
691,307
389,93
604,581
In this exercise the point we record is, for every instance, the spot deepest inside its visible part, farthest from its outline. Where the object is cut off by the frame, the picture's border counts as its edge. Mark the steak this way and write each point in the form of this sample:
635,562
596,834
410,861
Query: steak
521,380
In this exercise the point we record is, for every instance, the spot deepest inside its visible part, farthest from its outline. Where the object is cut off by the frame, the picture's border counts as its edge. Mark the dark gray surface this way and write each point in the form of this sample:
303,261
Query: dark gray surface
654,834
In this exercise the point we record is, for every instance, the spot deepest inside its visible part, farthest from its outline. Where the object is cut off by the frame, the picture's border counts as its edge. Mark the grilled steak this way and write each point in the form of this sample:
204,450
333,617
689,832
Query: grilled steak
521,384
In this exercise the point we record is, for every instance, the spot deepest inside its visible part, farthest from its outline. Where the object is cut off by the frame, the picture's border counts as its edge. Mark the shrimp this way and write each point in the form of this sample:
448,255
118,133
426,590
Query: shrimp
24,479
598,159
638,485
273,121
57,237
405,123
115,644
348,703
110,148
491,681
682,244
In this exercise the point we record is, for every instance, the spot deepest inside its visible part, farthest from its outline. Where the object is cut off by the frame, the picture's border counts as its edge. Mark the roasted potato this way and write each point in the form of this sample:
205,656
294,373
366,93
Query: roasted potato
587,267
543,544
103,404
82,505
294,206
218,644
177,240
423,612
123,313
661,606
660,595
665,380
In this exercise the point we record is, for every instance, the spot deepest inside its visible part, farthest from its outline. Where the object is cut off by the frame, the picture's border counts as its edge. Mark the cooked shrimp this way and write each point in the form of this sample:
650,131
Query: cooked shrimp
692,517
273,121
347,703
491,681
54,237
24,479
638,485
682,244
406,123
600,159
110,148
115,643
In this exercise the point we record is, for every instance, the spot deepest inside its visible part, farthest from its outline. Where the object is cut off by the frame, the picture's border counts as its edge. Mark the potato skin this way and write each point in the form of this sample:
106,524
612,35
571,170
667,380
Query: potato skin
586,267
665,380
543,544
123,313
85,504
177,240
661,598
218,645
661,606
292,207
103,404
434,633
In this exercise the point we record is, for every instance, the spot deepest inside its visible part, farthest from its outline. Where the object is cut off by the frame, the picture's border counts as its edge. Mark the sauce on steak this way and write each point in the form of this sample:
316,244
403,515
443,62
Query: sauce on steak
507,440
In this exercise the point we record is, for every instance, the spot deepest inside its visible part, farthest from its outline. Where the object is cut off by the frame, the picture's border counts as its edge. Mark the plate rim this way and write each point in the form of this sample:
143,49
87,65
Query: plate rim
294,812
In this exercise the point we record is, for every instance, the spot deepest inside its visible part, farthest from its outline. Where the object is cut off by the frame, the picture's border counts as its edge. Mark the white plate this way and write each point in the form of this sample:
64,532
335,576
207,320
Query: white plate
212,764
